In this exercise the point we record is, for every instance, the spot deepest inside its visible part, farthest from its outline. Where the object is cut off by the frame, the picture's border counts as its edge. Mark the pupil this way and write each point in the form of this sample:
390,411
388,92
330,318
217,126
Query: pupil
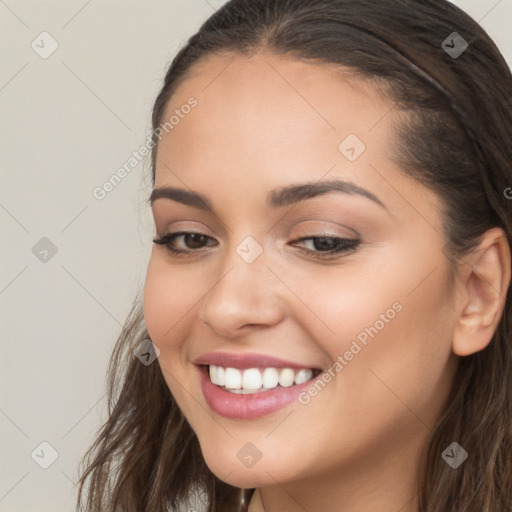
323,243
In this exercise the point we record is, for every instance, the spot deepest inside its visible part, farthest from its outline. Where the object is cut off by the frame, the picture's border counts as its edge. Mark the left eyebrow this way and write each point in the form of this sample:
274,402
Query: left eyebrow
276,198
295,193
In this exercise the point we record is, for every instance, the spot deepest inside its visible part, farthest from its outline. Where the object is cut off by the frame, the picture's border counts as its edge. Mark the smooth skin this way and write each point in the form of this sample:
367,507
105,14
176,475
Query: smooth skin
266,122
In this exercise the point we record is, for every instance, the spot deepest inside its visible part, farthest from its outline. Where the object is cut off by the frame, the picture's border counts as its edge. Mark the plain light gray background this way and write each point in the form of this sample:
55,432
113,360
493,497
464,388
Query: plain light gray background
68,122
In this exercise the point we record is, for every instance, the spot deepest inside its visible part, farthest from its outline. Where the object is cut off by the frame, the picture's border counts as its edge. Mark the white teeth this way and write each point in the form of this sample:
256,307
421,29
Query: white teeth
303,376
213,374
221,376
254,380
270,378
286,377
233,378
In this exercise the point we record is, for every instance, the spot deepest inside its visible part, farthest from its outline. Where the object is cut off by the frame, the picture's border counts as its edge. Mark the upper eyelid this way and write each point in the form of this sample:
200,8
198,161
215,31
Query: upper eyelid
225,229
299,236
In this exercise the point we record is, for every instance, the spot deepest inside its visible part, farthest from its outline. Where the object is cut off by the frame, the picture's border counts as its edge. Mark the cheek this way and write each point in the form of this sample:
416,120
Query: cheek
399,300
169,297
347,304
392,320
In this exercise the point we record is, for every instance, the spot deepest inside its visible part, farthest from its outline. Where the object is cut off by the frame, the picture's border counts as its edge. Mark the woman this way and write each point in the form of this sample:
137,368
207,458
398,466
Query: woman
329,290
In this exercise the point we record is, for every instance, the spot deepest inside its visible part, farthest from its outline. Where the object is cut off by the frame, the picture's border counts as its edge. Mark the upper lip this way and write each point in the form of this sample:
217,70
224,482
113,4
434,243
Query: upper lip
246,360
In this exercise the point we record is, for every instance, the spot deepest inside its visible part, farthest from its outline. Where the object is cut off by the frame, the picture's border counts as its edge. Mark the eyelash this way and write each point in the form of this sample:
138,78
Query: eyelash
344,245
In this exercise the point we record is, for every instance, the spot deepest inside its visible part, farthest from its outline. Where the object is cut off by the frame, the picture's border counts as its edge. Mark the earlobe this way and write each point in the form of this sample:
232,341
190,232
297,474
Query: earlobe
486,279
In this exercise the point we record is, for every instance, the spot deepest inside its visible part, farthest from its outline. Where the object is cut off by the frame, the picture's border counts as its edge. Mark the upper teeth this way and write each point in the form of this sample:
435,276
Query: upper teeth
254,379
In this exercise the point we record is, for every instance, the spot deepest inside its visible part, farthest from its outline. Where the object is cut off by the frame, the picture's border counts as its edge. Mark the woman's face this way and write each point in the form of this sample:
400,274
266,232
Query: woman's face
376,316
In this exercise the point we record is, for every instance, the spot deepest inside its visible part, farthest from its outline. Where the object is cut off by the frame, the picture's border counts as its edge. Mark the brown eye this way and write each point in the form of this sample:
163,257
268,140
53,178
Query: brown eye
191,242
326,246
194,240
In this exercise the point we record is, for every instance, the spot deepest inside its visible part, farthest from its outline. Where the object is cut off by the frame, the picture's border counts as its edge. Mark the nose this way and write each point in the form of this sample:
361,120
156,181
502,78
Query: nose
243,295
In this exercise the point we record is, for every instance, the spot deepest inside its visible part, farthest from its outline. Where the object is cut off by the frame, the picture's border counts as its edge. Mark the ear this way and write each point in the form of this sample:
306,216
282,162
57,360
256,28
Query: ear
484,279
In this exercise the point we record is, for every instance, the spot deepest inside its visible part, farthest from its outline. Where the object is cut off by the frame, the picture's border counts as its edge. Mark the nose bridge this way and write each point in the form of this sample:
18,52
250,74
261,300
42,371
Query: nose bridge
245,291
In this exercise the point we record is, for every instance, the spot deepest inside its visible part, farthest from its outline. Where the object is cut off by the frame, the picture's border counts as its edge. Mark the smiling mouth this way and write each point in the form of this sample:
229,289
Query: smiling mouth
258,380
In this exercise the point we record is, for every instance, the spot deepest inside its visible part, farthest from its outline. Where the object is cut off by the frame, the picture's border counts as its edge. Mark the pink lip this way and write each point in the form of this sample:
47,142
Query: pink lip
245,407
246,360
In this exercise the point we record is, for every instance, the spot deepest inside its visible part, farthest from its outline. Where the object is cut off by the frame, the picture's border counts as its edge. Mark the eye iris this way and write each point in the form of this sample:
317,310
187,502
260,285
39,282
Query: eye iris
194,240
324,243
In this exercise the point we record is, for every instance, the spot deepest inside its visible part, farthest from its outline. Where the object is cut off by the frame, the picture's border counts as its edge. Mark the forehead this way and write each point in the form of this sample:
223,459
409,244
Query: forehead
264,78
268,107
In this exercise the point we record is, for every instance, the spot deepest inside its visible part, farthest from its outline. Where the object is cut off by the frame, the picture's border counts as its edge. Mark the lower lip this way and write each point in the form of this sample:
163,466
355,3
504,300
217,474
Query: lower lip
245,407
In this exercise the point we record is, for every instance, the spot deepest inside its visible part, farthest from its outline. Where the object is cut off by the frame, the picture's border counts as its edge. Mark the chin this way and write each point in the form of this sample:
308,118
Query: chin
227,466
241,477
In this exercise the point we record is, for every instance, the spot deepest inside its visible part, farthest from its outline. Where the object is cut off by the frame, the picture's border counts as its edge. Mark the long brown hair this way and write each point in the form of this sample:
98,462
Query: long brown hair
455,137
